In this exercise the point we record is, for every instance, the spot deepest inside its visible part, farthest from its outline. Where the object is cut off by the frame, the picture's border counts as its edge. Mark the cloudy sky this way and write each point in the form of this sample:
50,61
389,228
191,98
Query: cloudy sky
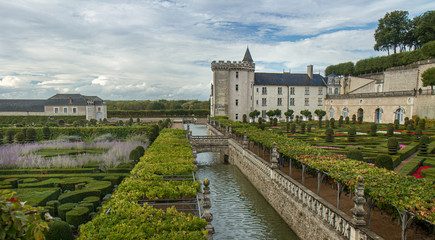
141,49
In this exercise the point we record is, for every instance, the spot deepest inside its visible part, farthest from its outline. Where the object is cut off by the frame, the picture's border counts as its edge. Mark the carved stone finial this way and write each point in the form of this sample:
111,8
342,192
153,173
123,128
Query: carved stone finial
245,140
274,160
358,210
206,206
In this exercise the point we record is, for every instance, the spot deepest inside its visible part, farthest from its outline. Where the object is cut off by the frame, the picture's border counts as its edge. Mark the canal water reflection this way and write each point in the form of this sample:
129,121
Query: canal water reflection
239,211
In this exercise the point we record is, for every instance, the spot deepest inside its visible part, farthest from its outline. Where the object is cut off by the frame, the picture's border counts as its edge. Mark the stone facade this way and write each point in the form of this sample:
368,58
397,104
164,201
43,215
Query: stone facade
382,98
58,105
237,90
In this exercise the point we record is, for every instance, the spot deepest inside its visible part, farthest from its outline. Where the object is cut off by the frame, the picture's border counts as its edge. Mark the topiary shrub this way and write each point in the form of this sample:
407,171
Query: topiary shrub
396,124
141,150
292,128
353,118
384,161
245,118
416,120
62,209
55,205
424,142
88,205
1,138
19,137
360,119
417,134
340,121
287,126
410,128
92,199
393,145
61,122
134,155
346,120
78,195
373,129
327,124
70,183
59,230
390,130
332,122
309,127
329,135
46,133
10,136
77,216
351,134
30,135
422,124
355,155
302,128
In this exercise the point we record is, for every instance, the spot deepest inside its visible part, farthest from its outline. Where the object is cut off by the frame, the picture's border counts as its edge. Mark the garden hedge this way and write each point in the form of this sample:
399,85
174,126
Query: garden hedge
59,230
64,208
77,216
78,195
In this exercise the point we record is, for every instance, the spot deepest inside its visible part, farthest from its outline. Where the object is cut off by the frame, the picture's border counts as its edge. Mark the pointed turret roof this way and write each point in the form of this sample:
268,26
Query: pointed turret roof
247,57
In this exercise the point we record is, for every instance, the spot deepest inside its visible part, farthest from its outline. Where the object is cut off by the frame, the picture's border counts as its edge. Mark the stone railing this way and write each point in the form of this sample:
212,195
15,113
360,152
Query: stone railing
209,140
372,95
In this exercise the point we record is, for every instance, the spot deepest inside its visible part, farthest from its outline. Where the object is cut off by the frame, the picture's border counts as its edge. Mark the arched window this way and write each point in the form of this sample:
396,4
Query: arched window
399,115
378,115
360,114
331,113
379,88
345,112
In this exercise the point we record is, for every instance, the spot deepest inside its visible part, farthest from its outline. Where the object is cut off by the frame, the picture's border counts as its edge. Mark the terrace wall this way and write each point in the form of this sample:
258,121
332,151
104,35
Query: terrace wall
309,216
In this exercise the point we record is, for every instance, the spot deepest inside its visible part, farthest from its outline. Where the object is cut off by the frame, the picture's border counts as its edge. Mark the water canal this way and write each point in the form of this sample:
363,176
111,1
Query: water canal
239,211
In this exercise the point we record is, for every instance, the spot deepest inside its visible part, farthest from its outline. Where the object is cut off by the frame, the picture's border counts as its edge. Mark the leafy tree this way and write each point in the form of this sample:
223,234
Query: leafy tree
320,114
391,32
254,114
289,114
428,78
424,28
428,49
277,113
306,113
46,133
270,114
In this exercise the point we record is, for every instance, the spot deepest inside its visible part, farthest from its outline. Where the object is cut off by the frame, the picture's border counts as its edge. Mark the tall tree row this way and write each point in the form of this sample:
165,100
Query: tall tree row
396,32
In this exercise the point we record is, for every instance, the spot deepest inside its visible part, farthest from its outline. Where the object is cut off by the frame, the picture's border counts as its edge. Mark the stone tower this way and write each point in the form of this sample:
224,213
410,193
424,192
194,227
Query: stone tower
232,88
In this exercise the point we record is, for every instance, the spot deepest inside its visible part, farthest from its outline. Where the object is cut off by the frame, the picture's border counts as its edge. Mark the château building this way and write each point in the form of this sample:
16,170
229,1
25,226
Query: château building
383,97
92,107
238,90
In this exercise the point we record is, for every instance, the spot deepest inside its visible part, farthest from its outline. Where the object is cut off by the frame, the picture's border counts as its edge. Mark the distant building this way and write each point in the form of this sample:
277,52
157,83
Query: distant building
238,90
396,93
92,107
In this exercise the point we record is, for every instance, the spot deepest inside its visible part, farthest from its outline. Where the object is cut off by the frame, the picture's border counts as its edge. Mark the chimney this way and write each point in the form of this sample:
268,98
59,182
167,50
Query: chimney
310,71
70,100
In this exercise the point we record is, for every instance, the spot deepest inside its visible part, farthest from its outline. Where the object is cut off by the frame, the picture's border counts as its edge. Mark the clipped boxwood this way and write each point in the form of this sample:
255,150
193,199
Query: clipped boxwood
54,204
384,161
88,205
92,199
52,182
355,154
79,195
62,209
77,216
69,183
104,186
59,230
114,179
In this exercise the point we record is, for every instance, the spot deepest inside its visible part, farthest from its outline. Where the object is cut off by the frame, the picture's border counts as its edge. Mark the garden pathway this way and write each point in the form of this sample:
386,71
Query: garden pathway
405,162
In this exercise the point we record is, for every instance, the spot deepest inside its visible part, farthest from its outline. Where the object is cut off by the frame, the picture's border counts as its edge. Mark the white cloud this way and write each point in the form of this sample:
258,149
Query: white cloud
163,49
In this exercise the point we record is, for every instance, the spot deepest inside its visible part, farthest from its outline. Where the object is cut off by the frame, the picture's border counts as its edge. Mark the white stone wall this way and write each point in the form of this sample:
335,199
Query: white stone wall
299,99
389,105
50,110
243,95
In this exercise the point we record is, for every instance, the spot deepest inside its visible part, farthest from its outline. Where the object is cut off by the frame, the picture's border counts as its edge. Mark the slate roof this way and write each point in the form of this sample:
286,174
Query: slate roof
247,57
7,105
37,105
288,79
76,99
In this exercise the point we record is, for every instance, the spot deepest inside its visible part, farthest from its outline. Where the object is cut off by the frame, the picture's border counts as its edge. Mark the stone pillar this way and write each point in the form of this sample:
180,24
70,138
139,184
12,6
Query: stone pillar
206,206
245,141
226,129
358,212
274,160
208,119
188,127
229,132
